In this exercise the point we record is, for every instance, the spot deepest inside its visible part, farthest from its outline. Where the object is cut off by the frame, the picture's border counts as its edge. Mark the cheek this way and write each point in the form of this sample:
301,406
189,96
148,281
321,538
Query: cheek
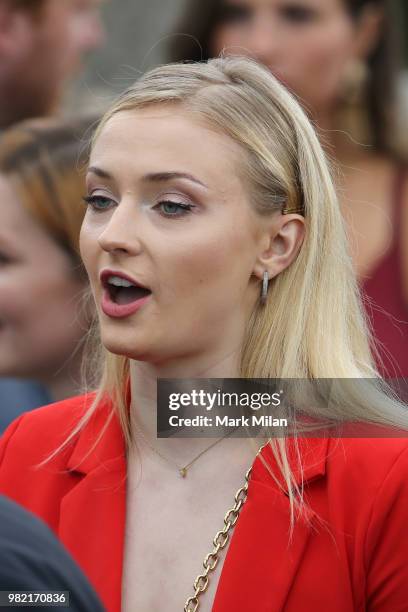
328,55
58,50
227,37
317,75
210,268
56,294
30,301
21,291
88,247
54,316
13,301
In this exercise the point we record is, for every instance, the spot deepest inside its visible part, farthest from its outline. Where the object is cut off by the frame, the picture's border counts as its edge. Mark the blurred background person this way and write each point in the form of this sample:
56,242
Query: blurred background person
341,59
42,43
43,312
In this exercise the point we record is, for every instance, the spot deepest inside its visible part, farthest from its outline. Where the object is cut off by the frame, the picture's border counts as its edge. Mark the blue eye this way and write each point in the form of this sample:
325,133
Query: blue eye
98,202
170,209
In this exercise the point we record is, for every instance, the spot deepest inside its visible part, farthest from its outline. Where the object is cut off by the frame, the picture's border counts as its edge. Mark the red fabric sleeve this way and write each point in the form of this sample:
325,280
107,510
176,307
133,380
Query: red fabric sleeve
386,546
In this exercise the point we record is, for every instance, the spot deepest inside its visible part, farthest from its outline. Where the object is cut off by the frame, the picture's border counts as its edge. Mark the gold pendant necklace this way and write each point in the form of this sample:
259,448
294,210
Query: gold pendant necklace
181,470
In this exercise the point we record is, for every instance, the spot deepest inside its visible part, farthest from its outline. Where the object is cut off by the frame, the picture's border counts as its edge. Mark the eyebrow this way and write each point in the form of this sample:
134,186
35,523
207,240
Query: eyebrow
99,172
154,177
158,177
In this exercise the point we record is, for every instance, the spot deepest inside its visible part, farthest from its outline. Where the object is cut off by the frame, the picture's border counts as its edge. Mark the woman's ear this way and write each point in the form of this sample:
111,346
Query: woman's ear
279,244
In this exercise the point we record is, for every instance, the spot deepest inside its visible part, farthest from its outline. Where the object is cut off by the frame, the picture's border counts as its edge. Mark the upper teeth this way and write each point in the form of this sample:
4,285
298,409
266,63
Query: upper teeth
118,281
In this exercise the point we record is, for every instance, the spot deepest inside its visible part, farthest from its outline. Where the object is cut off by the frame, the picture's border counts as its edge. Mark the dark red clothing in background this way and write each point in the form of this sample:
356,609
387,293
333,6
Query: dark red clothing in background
383,296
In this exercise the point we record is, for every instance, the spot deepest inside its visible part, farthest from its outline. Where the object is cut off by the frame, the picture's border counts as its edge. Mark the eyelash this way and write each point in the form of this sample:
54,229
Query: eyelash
92,202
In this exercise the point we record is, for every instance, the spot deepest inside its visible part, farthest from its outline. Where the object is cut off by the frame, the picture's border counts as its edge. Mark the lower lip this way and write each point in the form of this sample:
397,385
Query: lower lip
118,311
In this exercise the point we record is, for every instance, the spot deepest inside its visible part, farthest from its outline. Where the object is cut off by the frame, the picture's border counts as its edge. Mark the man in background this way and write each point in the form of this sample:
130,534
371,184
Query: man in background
42,43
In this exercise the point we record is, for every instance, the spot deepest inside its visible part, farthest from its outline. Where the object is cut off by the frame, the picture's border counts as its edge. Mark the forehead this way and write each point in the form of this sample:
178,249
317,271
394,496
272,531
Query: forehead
160,138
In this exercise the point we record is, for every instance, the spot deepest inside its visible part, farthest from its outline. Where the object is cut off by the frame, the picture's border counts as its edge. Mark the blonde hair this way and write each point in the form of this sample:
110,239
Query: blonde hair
313,325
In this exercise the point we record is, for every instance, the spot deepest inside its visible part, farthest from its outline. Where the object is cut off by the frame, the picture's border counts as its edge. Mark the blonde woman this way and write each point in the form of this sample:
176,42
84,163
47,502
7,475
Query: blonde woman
215,248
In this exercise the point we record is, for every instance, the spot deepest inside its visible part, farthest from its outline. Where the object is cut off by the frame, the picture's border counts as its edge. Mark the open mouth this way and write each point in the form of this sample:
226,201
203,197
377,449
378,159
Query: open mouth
122,291
122,295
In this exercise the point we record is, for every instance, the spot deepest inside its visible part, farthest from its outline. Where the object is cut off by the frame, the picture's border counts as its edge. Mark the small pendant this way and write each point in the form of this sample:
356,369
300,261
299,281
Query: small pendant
183,472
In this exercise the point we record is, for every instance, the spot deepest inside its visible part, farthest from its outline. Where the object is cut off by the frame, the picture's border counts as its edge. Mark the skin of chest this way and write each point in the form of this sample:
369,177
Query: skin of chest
170,525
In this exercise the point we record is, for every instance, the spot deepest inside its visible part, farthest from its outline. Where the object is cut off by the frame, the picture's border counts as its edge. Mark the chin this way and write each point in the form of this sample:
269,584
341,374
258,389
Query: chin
114,344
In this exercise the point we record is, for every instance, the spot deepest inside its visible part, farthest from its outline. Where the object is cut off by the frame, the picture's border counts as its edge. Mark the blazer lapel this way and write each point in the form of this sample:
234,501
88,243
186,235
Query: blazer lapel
260,565
92,514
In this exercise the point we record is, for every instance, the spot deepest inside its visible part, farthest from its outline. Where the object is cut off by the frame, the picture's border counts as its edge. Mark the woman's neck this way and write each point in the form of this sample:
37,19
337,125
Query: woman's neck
143,379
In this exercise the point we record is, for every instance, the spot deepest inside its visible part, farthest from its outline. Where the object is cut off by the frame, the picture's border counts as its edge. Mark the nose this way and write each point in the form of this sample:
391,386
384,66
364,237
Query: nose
91,32
264,40
97,33
119,235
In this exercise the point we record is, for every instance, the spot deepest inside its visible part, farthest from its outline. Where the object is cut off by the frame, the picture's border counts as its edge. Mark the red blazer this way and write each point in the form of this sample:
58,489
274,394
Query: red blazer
353,558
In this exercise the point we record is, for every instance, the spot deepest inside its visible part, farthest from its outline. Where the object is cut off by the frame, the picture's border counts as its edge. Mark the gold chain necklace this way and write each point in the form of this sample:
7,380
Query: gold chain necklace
220,541
182,470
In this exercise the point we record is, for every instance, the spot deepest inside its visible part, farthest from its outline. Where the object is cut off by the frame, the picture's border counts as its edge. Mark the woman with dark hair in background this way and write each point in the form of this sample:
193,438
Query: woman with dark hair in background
339,58
42,280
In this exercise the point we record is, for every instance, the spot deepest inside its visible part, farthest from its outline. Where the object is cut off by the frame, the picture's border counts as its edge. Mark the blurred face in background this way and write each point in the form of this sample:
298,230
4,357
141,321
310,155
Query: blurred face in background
40,51
40,322
73,28
307,44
